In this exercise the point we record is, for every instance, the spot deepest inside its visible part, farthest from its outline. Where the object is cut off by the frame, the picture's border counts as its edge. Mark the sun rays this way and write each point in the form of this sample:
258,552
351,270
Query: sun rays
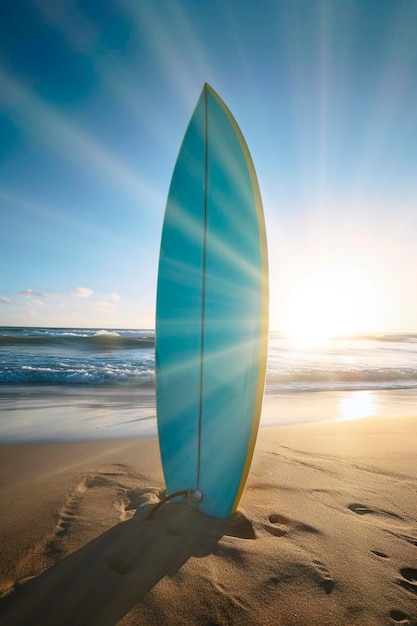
323,95
61,135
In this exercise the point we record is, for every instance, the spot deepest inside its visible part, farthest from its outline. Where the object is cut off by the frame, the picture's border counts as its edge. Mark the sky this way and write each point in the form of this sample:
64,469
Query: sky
95,98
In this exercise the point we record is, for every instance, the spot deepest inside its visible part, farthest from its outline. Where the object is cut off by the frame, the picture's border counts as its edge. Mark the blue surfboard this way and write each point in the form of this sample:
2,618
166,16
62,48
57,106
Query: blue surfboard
212,313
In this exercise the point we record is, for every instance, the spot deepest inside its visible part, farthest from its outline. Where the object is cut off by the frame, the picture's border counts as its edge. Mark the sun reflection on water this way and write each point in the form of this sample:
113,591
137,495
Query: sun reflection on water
357,405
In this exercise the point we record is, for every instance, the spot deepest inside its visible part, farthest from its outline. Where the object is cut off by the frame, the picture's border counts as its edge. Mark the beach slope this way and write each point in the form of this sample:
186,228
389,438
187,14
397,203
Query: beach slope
326,533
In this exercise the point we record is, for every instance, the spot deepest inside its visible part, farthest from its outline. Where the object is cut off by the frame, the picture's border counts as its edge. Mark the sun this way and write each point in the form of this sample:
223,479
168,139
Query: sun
338,299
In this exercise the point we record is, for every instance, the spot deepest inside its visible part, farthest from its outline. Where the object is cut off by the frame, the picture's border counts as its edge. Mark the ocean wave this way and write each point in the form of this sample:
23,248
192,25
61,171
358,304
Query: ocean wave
142,373
87,356
101,340
345,376
73,375
384,337
361,378
302,387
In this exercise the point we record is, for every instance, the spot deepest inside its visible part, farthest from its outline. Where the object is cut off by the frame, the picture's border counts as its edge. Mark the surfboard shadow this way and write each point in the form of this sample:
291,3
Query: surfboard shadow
104,580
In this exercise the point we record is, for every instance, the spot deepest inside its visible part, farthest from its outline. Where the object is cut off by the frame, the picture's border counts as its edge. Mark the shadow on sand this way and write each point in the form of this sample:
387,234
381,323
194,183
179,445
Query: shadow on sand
104,580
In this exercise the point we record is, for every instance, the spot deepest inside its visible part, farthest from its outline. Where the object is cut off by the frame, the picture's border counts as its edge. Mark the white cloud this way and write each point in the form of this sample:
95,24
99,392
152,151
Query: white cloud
113,296
37,302
29,293
82,292
5,300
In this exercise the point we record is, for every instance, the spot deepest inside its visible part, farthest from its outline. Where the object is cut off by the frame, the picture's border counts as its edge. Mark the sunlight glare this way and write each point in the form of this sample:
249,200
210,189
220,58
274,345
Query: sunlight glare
357,405
337,300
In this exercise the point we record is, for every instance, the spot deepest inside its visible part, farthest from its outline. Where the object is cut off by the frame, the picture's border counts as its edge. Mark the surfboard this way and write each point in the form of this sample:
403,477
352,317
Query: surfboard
211,313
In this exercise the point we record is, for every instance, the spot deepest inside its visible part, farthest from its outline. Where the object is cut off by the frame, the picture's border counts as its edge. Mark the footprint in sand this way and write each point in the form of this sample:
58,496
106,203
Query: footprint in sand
360,509
70,509
66,517
381,555
327,580
280,525
394,523
74,505
399,617
384,517
409,579
321,575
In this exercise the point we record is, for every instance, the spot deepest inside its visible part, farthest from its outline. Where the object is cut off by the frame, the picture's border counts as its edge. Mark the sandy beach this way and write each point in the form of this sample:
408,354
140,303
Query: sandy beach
325,534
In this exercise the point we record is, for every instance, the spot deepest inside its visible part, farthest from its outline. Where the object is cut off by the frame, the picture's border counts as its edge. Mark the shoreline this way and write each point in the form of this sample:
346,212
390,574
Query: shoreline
51,413
326,533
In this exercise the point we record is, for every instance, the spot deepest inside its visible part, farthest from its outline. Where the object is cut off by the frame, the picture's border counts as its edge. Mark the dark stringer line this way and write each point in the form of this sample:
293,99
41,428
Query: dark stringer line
203,288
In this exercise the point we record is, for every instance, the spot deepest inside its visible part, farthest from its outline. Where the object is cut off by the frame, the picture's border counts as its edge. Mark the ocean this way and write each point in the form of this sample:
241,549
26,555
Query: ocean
70,382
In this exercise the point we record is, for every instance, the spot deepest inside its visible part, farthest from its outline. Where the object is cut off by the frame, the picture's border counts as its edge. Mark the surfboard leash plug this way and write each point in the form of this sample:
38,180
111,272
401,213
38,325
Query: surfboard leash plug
193,496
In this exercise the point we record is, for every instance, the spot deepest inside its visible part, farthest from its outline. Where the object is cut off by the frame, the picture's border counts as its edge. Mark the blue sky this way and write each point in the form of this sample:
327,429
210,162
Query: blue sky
95,98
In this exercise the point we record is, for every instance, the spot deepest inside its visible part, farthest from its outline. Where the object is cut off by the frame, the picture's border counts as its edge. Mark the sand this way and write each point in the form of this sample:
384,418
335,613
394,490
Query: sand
325,534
